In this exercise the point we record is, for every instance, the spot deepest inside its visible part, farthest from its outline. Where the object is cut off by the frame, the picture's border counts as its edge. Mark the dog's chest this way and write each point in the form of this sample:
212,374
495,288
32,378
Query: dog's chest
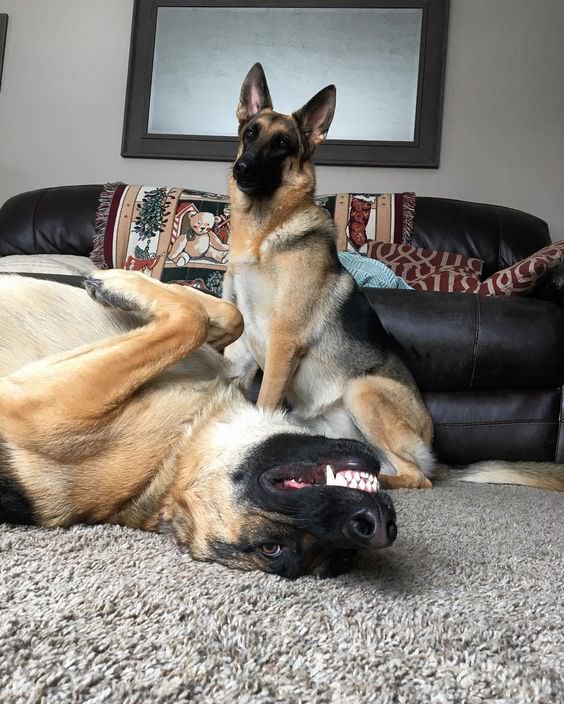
254,294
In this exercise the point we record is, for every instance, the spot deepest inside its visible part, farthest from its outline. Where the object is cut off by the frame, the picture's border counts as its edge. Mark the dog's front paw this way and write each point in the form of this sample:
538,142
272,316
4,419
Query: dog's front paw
119,289
225,324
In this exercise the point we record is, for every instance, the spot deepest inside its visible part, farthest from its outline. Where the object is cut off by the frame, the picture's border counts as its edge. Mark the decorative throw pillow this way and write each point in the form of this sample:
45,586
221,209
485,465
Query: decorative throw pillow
523,276
427,269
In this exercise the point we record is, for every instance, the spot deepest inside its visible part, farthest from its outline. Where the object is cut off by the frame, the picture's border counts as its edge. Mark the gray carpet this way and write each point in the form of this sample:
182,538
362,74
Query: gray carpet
465,607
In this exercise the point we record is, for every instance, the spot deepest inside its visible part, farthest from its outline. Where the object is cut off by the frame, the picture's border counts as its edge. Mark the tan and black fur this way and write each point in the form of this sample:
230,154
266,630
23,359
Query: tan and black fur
321,347
115,407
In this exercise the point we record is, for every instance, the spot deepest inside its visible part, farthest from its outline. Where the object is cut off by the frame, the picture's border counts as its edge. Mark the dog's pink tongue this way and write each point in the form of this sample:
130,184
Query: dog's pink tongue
294,484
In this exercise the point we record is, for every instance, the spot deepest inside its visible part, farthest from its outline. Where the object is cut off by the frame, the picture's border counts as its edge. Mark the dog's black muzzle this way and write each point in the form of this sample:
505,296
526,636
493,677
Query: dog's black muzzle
342,518
257,175
329,487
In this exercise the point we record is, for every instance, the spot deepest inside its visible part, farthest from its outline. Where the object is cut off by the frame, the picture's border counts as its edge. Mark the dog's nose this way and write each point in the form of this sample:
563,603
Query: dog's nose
361,527
391,532
370,527
240,168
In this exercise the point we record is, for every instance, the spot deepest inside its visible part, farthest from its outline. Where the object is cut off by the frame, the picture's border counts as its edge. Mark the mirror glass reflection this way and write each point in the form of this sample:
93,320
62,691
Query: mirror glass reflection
202,55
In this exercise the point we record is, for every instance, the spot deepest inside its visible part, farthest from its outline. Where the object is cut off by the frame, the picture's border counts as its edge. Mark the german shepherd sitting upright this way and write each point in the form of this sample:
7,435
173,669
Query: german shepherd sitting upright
116,408
307,325
320,345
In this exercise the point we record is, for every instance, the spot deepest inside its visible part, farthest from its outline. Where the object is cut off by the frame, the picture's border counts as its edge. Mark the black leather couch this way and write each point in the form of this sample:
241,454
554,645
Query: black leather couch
491,369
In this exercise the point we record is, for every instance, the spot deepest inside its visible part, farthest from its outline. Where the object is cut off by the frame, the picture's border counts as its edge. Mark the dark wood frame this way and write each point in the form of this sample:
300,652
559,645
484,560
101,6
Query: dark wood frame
3,34
423,151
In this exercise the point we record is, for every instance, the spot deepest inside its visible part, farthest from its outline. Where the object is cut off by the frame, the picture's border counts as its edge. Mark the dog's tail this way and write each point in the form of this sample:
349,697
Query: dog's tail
540,475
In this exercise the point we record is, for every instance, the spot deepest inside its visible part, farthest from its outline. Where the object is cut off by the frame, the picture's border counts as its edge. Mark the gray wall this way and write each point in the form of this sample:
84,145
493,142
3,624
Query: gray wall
62,96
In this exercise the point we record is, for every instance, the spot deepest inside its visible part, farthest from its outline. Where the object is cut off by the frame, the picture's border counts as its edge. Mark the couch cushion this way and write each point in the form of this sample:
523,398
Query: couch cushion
497,425
62,220
462,342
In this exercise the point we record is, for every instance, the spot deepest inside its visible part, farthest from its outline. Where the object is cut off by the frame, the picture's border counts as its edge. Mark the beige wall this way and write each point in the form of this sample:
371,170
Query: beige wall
62,97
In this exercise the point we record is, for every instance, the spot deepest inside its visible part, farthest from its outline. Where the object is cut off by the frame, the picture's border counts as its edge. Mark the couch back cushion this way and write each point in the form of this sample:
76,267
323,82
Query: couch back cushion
62,220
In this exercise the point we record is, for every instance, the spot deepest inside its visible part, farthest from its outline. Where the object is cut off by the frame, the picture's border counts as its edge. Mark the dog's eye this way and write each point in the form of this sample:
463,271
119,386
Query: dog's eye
250,133
271,550
282,142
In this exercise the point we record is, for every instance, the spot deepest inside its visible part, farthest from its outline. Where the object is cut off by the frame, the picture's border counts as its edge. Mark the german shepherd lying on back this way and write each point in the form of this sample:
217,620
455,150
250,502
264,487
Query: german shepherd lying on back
113,409
321,347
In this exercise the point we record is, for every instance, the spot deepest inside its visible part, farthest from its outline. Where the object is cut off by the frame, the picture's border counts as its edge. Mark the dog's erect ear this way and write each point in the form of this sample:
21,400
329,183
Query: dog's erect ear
315,118
254,95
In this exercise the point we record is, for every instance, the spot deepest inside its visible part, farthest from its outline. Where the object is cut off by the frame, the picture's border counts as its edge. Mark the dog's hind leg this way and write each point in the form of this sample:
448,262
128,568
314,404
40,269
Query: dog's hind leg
81,387
393,418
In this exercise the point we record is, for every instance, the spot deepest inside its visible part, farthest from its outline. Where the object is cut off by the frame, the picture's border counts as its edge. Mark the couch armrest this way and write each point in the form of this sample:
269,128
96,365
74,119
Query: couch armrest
462,342
551,288
59,220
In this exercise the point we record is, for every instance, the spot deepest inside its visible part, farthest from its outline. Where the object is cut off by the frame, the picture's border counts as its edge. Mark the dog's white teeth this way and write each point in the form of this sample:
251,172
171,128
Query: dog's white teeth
363,481
330,478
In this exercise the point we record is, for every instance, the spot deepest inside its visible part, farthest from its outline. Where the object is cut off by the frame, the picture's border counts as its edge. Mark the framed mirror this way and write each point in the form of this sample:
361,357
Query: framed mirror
188,59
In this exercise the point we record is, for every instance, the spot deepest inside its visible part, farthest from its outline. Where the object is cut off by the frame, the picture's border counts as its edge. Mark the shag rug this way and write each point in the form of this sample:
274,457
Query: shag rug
465,607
